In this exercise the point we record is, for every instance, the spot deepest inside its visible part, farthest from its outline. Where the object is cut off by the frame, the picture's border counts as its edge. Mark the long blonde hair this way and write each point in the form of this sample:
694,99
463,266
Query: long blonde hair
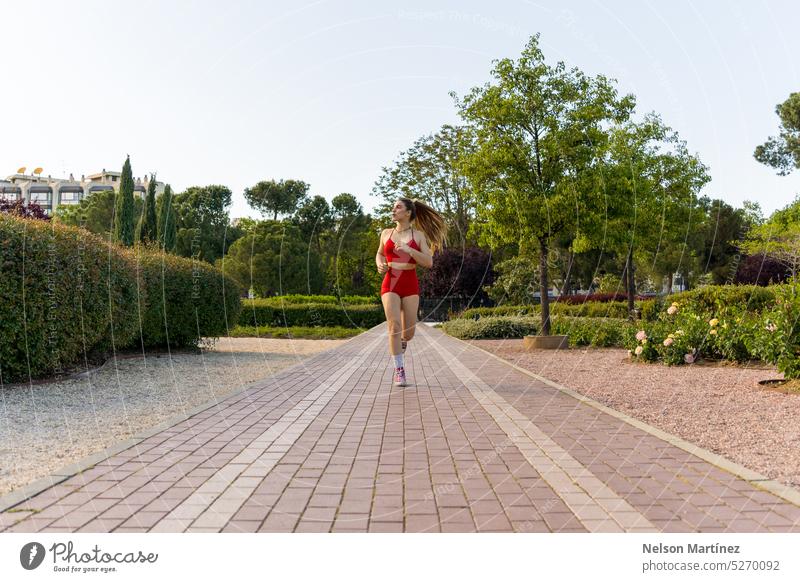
428,221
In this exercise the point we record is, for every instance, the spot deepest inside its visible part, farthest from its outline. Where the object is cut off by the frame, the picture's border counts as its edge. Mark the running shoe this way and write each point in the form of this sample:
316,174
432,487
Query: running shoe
400,377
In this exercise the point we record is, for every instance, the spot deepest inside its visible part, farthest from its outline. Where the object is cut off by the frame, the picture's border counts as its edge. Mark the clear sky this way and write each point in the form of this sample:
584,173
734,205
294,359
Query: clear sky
330,91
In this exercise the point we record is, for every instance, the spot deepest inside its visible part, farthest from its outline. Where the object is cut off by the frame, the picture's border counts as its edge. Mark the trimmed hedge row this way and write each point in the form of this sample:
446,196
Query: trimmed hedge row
264,312
582,331
589,309
62,290
186,300
66,294
279,300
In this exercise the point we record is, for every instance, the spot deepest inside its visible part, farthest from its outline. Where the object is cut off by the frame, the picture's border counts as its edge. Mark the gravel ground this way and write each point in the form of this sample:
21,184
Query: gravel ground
46,426
721,408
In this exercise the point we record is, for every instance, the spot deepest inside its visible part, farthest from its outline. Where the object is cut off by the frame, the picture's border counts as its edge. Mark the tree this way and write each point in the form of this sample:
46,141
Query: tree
650,182
761,270
94,212
313,218
271,197
124,210
19,208
724,230
783,152
778,237
167,221
429,170
203,224
462,273
270,260
352,245
538,132
147,229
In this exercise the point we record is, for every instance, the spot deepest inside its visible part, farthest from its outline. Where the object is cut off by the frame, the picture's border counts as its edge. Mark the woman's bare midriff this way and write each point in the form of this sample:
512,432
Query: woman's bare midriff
401,266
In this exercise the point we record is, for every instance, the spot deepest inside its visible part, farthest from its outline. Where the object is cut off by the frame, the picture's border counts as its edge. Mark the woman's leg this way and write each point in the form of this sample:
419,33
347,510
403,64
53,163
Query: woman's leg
391,307
409,308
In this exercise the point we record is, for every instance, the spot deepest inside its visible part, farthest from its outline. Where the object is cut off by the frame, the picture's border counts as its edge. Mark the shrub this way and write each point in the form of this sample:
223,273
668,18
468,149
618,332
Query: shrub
296,299
499,311
599,297
64,293
186,300
602,332
590,309
715,299
776,337
492,327
265,312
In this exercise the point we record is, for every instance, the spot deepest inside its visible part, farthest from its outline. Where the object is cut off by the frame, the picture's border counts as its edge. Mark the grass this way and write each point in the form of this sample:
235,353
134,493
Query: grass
295,332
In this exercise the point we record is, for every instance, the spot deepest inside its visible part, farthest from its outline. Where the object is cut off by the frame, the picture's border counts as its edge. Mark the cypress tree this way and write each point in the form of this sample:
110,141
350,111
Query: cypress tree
167,227
146,230
124,219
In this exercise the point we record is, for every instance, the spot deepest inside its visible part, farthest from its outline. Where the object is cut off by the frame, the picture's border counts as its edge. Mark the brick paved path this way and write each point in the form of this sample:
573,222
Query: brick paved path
471,445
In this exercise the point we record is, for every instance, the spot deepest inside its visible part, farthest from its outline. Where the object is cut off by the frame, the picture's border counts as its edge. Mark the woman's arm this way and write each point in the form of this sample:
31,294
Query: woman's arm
423,256
380,258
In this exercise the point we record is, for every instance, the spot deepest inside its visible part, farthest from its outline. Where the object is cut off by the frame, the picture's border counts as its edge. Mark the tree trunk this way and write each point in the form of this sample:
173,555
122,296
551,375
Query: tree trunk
630,284
545,298
565,288
669,284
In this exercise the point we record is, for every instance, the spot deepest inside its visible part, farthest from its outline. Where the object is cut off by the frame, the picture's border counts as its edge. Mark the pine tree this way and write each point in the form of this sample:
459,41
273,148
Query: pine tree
167,227
124,219
146,230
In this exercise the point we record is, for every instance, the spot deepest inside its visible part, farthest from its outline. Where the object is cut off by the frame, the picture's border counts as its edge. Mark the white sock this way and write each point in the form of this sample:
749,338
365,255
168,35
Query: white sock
398,361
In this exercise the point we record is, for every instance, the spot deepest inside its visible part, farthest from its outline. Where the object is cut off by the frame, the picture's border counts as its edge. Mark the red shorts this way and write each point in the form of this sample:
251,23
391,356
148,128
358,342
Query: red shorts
404,282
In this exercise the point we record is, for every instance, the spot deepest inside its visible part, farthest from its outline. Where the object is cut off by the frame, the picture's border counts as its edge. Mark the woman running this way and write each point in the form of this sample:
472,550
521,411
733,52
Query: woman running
400,250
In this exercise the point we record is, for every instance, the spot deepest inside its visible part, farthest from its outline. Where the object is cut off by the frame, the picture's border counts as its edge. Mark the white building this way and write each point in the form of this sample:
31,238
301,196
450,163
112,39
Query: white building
50,193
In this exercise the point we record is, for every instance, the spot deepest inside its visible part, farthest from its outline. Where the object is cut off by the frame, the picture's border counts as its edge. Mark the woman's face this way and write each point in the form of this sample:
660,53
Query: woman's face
399,211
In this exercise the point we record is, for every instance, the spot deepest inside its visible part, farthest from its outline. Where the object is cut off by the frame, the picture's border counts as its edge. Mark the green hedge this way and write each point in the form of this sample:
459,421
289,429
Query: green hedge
264,312
616,309
492,327
67,294
602,332
295,332
63,290
582,331
305,299
186,300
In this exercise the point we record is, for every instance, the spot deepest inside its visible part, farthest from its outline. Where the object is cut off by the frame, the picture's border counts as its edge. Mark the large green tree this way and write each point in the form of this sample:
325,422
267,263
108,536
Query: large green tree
539,130
778,237
147,228
314,220
167,220
124,209
281,197
204,230
650,181
353,246
783,152
429,170
273,258
94,212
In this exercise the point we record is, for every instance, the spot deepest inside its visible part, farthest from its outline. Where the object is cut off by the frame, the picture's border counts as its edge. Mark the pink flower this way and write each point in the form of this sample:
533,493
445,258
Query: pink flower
641,335
689,358
668,342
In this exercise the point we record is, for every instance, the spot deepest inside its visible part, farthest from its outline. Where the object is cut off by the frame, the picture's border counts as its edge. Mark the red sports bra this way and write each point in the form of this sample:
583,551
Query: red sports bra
399,256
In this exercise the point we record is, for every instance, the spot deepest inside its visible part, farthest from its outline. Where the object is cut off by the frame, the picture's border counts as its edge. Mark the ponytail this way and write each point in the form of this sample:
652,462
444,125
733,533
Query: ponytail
428,221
